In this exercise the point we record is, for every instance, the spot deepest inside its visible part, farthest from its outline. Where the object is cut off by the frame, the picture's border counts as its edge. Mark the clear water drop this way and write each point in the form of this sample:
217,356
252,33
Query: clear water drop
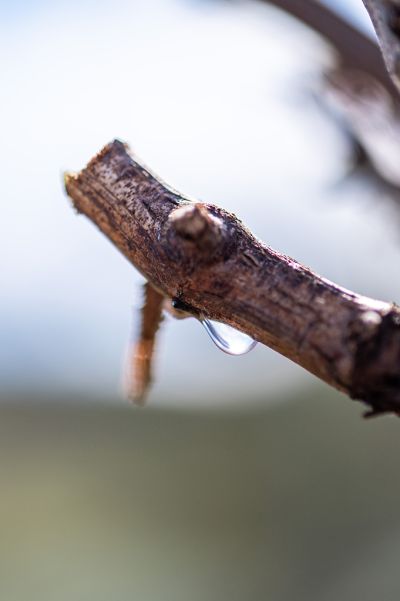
228,339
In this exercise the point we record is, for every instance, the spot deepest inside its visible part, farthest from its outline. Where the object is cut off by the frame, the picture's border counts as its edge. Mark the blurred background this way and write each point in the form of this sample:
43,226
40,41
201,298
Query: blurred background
244,477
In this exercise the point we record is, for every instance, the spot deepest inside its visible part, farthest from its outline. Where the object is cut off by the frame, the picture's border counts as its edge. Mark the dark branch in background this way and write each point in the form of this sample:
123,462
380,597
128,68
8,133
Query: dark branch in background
140,355
385,16
367,113
359,90
207,260
355,50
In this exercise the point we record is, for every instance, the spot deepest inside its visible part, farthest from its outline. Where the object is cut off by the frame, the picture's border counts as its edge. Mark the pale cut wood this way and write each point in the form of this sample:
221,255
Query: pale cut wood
205,258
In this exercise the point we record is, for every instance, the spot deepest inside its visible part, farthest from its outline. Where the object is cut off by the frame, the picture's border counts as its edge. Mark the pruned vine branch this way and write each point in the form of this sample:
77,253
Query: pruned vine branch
204,257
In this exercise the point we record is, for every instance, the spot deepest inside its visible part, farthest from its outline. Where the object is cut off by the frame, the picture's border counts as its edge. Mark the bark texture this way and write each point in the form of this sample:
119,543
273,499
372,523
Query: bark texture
206,260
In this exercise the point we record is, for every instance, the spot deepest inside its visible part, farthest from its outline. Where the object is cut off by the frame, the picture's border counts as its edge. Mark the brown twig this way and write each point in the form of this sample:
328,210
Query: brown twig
140,356
205,258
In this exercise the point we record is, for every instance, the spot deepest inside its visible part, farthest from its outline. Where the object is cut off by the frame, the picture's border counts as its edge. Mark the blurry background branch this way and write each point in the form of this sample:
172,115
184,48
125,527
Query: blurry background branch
385,16
358,91
203,258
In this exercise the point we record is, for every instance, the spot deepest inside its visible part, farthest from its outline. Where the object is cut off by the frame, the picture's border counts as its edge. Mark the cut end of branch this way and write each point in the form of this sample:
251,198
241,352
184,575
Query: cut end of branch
68,177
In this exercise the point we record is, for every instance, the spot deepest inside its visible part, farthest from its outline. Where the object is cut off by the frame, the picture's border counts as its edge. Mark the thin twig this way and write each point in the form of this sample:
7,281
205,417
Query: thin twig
140,355
205,258
364,81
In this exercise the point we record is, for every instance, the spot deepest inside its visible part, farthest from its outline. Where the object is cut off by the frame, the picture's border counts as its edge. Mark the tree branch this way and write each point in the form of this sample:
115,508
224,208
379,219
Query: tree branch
355,50
359,85
205,258
385,16
140,356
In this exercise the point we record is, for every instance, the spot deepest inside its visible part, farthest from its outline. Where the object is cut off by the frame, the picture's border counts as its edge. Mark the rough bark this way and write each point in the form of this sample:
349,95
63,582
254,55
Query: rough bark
385,16
205,258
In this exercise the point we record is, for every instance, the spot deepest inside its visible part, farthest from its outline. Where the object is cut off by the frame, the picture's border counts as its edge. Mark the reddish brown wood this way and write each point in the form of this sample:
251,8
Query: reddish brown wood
204,256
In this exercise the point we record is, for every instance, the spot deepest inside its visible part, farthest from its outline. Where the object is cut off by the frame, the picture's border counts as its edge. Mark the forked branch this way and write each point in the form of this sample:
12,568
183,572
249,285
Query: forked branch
205,258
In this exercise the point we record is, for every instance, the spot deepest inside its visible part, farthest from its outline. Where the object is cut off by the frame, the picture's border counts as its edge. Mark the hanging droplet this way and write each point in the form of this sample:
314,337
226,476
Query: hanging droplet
228,339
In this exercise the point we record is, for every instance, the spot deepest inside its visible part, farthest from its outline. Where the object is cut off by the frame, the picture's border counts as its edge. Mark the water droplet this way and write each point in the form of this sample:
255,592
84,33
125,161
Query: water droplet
228,339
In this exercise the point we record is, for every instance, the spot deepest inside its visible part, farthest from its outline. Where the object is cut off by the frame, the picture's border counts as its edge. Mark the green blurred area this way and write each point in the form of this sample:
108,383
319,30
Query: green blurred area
296,501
